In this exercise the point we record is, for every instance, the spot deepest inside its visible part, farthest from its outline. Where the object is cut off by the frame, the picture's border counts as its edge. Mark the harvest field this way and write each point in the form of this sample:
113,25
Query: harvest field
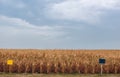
59,61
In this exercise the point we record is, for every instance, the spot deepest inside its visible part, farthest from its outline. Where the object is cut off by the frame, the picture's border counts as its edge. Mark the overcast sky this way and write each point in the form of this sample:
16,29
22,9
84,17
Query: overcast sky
80,24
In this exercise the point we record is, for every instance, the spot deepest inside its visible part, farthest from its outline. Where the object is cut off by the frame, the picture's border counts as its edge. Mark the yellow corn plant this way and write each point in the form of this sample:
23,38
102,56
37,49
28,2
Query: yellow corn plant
59,61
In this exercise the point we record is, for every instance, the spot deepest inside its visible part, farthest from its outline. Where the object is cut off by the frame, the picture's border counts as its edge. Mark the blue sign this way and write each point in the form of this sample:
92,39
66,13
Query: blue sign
102,61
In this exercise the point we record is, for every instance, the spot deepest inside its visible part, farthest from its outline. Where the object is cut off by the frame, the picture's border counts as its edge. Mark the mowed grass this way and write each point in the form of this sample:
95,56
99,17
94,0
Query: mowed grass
59,75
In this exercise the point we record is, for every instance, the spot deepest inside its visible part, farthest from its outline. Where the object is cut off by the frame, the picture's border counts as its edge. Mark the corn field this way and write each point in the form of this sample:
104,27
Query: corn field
59,61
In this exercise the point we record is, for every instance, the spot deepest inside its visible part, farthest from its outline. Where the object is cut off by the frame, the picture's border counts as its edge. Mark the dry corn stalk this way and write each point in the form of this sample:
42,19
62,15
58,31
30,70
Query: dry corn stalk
59,61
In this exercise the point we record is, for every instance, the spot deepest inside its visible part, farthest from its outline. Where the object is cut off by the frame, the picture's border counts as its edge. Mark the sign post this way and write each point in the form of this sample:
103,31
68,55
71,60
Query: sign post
101,62
101,69
10,63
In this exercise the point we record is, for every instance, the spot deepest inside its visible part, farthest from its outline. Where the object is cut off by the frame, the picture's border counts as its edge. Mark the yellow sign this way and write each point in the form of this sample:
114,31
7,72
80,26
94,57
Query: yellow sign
9,62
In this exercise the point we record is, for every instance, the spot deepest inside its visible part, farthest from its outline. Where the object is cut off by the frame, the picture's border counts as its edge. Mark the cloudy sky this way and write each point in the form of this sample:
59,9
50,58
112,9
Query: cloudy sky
80,24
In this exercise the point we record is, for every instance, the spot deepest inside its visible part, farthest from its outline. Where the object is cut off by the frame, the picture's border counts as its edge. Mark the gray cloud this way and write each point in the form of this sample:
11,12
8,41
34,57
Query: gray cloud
82,10
59,24
19,33
20,25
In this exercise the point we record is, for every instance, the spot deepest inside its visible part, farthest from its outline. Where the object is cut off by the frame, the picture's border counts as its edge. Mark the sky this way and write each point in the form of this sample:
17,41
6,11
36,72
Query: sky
60,24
